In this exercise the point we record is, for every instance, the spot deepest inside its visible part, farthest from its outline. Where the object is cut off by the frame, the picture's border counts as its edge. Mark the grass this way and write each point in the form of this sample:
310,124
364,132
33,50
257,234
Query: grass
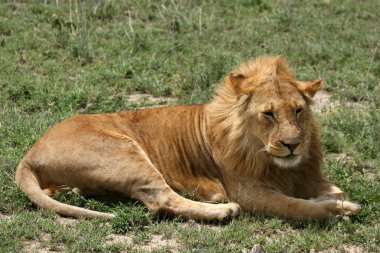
59,58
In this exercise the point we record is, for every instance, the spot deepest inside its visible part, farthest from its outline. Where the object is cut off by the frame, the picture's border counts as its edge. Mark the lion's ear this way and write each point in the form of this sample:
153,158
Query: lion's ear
235,80
309,88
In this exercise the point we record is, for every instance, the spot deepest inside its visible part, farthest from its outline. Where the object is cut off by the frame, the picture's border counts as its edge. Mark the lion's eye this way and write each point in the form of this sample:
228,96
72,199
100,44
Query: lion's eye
269,114
299,111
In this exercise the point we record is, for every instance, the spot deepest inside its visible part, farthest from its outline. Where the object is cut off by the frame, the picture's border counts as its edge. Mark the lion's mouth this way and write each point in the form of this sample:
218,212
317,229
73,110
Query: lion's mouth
287,156
290,156
287,161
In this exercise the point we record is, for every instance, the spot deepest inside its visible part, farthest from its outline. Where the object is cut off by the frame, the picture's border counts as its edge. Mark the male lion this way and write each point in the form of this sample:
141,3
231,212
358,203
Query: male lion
254,145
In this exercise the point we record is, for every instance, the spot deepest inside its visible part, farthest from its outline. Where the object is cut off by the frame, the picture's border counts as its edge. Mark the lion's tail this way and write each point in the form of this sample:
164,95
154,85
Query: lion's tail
28,183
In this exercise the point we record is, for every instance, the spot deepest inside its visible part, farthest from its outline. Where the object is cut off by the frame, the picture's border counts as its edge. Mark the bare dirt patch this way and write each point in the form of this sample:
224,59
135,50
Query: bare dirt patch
124,240
3,216
323,103
39,245
199,226
147,100
156,242
344,248
67,221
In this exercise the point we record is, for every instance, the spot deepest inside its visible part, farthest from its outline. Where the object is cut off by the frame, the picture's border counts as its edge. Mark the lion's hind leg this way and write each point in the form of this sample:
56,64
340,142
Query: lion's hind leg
209,190
134,175
50,191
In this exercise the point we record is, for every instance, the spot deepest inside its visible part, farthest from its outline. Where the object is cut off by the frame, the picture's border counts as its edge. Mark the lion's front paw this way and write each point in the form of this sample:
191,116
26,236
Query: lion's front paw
235,209
351,208
227,211
338,207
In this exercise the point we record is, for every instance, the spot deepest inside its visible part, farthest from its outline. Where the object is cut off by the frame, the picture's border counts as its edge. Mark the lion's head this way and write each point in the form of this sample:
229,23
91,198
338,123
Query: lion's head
265,115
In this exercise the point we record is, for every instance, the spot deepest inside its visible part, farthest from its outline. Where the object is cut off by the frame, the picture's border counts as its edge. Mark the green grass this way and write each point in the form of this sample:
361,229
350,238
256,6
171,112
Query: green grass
66,57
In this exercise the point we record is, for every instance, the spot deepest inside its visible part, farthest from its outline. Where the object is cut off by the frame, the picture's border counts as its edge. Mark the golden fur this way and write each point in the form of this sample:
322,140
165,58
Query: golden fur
254,145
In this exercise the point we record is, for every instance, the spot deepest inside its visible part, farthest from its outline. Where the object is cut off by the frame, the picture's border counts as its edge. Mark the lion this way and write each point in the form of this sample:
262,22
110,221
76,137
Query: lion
253,148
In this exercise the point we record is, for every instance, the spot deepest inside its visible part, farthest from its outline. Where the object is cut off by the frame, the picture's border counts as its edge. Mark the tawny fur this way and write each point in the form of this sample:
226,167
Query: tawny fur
255,145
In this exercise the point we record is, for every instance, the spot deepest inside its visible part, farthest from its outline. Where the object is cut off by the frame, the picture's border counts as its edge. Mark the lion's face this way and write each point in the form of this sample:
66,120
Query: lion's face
265,110
281,114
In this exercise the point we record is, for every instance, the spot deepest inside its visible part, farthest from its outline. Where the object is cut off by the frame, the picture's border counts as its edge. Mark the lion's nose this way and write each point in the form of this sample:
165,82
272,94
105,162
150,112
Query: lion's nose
291,145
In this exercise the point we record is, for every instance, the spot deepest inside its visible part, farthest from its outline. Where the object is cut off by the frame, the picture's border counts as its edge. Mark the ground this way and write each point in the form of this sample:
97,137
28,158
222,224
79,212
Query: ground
60,58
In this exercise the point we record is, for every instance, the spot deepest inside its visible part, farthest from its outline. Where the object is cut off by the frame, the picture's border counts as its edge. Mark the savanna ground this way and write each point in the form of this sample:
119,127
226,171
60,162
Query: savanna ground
59,58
